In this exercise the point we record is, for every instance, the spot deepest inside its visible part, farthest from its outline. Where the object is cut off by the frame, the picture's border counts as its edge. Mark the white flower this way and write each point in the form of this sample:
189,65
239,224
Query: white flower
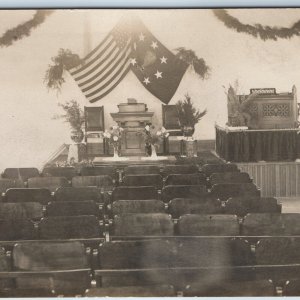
108,135
158,133
115,138
114,127
147,128
163,129
167,134
121,129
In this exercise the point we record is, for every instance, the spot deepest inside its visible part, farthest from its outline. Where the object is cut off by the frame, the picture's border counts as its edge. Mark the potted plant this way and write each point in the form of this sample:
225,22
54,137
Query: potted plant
113,136
74,115
152,138
188,115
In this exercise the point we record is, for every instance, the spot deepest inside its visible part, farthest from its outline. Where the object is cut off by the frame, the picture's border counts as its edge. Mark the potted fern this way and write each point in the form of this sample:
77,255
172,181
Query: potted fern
188,115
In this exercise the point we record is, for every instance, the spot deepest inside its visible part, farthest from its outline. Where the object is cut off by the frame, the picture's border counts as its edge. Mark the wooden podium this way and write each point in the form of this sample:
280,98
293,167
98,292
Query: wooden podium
133,117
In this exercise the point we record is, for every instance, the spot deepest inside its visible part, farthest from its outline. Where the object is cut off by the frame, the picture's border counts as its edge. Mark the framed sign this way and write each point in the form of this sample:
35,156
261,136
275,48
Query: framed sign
170,117
94,118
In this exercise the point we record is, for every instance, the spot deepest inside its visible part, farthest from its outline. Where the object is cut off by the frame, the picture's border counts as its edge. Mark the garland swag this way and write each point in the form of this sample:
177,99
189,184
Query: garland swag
24,29
257,30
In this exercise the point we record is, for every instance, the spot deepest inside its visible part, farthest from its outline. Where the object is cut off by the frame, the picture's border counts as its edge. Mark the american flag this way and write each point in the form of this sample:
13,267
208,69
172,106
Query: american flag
105,67
129,46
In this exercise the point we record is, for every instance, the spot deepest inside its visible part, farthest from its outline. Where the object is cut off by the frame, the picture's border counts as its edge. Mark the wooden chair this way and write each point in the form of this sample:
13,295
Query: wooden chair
243,205
180,169
69,227
181,206
183,191
234,288
73,208
67,172
50,183
155,224
78,194
186,179
121,207
209,169
224,191
143,180
208,225
134,193
141,170
20,173
6,184
23,195
61,268
104,182
230,177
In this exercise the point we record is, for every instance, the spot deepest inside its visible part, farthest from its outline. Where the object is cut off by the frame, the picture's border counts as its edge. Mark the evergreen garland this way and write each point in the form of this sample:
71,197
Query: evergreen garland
24,29
257,30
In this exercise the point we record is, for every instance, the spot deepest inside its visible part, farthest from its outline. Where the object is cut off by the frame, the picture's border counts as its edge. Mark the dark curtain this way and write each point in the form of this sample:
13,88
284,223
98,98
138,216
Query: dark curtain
253,146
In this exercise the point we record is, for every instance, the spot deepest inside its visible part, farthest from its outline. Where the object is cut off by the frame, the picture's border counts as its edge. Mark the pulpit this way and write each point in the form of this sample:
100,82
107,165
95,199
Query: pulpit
133,117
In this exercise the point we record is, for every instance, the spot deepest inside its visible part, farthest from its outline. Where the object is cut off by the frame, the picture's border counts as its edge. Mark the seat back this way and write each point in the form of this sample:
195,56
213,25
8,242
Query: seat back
243,205
78,194
67,172
292,288
182,206
17,229
6,184
209,169
50,183
42,196
180,169
72,208
143,180
100,181
54,256
141,170
134,193
223,191
69,227
20,173
98,171
183,191
229,177
186,179
121,207
208,225
25,210
156,224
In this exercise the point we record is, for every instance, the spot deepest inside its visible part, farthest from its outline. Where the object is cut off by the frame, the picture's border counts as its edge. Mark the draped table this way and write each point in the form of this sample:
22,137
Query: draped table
258,145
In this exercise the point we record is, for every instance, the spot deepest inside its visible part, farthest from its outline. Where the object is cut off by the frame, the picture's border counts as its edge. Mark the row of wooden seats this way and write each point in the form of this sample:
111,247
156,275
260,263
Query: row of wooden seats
194,266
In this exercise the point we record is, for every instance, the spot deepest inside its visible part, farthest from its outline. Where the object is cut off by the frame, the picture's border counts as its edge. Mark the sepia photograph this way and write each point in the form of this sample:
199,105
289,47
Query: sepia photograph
149,152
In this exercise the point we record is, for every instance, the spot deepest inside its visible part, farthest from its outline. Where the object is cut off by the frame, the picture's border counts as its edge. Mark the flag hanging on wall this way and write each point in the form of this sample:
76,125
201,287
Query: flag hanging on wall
129,46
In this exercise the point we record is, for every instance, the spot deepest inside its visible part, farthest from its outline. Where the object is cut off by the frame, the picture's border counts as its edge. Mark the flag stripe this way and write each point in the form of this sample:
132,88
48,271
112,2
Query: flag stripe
108,80
123,57
112,87
104,63
82,68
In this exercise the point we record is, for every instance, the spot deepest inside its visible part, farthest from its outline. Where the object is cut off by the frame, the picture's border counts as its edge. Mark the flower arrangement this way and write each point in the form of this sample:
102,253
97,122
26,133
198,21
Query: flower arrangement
152,136
113,136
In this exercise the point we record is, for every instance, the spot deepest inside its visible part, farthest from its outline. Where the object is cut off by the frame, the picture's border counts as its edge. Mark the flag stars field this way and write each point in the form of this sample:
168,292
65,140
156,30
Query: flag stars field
146,80
133,61
154,45
158,74
163,60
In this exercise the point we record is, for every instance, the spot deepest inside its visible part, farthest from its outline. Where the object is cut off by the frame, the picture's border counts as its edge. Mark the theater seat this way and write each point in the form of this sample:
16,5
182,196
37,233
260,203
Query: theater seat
69,227
292,288
155,224
99,170
141,170
229,177
180,169
17,229
50,183
209,169
121,207
6,184
134,193
183,191
78,194
20,173
67,172
208,225
23,195
255,288
143,180
26,210
186,179
104,182
133,291
44,256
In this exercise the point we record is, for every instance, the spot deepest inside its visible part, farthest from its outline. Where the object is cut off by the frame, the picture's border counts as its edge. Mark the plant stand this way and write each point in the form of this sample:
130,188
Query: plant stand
77,152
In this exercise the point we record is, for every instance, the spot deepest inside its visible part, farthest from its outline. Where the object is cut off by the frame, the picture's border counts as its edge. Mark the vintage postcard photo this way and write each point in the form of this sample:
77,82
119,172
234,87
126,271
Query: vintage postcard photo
149,152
